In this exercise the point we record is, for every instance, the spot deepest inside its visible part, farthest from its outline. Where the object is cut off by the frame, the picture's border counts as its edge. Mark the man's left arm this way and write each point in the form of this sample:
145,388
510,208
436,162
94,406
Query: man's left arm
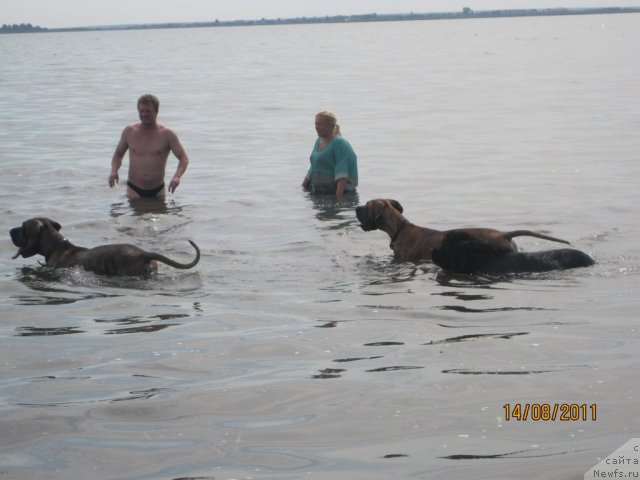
183,161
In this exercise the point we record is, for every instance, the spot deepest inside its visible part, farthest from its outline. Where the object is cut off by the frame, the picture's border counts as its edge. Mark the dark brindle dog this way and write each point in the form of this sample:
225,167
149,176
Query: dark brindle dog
464,250
460,252
41,236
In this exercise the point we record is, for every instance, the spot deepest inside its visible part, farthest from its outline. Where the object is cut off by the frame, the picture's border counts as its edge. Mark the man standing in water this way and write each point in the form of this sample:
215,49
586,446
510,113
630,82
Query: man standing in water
149,144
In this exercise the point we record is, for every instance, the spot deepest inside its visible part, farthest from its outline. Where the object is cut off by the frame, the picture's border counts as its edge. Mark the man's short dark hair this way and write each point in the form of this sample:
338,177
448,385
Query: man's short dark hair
152,99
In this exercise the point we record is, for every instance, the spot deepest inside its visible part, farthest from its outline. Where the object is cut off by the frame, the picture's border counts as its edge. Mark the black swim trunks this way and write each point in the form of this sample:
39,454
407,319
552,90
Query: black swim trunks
151,193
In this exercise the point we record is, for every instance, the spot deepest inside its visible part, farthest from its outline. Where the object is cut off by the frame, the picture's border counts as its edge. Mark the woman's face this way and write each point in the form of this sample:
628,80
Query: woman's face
323,127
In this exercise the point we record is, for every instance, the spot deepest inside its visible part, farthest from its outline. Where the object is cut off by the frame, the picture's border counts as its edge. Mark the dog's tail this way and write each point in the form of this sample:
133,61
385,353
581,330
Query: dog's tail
173,263
529,233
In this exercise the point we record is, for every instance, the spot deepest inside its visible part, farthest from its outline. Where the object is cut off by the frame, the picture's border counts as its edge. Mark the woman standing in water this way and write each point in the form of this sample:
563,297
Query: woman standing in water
334,165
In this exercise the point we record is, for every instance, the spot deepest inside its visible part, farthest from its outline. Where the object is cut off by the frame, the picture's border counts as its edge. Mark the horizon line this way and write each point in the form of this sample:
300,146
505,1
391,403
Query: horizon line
465,12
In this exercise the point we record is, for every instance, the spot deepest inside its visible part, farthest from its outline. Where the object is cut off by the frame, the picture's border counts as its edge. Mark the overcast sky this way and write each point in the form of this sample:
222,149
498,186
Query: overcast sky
77,13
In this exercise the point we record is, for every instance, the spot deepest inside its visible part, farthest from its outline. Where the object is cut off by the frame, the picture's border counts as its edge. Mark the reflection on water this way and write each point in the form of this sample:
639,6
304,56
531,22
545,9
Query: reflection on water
394,368
133,320
40,332
479,336
329,208
145,206
522,371
329,373
481,280
463,309
42,278
448,279
68,286
143,394
357,359
330,324
52,281
133,395
275,422
517,454
141,329
464,296
379,271
141,323
48,280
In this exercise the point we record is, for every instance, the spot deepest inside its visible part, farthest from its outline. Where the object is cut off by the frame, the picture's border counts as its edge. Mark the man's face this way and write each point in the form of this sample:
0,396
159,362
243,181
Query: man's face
147,113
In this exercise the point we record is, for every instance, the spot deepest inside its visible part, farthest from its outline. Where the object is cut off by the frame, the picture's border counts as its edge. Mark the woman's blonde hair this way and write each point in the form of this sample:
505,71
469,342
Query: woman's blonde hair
332,119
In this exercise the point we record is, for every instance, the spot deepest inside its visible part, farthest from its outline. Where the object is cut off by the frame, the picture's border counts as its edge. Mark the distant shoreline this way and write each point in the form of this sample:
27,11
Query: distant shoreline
465,13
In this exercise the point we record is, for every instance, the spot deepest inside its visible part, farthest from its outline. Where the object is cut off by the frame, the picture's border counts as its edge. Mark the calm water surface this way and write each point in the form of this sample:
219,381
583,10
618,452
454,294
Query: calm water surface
297,348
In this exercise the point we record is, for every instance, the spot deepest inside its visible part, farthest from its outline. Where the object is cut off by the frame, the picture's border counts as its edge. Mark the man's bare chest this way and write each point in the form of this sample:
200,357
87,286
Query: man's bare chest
148,145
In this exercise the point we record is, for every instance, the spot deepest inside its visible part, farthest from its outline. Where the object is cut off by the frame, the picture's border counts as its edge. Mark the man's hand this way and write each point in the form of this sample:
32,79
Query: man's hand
113,179
173,184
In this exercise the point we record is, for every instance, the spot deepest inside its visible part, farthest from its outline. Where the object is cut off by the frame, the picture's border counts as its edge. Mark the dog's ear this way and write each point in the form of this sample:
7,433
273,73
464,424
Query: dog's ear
55,224
47,222
396,204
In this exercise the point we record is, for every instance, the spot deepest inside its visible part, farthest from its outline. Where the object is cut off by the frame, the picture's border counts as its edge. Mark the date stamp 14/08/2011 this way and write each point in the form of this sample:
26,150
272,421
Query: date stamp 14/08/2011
550,412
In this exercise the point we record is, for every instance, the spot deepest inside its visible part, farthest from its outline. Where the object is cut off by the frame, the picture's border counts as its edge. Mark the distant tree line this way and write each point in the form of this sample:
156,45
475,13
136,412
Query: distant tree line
465,12
22,28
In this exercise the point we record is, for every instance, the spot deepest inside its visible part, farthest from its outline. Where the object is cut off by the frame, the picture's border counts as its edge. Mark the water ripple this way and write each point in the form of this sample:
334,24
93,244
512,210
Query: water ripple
522,371
43,332
478,336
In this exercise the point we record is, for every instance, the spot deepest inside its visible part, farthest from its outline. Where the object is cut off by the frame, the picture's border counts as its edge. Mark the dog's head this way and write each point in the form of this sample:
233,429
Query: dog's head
28,237
369,214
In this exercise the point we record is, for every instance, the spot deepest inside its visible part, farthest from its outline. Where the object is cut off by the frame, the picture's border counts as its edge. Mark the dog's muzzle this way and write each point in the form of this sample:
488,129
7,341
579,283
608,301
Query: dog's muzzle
25,240
19,240
367,223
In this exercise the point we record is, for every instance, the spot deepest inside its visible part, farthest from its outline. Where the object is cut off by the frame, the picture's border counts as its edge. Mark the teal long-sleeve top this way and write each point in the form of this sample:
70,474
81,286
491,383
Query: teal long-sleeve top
329,164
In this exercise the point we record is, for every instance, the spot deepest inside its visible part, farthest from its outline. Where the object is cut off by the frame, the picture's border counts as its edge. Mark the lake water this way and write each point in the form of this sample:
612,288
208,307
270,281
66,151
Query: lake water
297,348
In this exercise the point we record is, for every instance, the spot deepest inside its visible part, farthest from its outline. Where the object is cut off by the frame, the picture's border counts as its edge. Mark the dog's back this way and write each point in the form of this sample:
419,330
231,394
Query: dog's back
460,252
544,261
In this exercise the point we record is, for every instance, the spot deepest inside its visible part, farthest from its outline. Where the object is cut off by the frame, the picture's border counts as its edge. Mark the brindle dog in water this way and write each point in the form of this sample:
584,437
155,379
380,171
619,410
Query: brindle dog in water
41,236
464,250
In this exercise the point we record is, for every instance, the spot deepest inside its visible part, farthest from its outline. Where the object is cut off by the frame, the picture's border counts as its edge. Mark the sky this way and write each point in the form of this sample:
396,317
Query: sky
81,13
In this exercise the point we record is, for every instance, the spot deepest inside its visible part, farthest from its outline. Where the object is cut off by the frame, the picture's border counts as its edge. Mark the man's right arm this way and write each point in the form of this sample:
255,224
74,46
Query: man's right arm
118,155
